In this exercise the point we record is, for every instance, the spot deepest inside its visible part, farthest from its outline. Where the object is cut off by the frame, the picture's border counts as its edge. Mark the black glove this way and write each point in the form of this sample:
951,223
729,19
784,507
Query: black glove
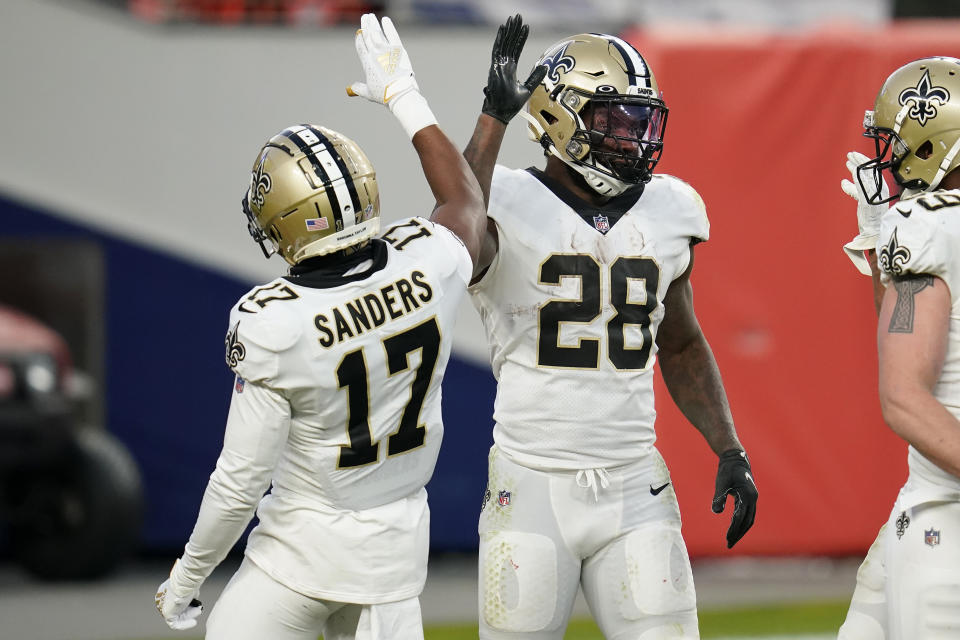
503,95
734,477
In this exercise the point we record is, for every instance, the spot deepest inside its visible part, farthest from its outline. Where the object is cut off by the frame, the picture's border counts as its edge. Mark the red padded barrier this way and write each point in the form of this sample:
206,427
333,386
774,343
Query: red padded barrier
760,125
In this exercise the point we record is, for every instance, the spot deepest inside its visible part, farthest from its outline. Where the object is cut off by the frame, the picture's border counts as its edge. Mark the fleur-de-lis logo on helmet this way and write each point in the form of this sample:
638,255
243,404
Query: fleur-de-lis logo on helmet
260,184
235,351
923,99
556,59
893,256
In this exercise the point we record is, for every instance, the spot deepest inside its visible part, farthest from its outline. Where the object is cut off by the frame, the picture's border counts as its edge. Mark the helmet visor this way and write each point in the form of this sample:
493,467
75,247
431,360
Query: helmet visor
625,136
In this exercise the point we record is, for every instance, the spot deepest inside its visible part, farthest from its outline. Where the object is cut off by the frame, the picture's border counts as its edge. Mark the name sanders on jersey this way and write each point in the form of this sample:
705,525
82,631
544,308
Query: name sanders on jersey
371,310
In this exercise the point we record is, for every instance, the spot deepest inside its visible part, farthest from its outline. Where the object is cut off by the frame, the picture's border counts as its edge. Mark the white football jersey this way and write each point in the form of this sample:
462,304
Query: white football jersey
337,397
921,235
571,305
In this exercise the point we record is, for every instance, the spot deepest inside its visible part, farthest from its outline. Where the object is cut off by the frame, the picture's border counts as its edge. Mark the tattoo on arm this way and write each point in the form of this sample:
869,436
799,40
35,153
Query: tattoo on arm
907,287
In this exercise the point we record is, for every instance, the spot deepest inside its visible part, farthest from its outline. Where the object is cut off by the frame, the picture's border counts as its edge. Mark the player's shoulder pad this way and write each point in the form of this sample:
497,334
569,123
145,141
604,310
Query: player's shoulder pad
431,240
402,232
268,316
684,204
506,183
917,236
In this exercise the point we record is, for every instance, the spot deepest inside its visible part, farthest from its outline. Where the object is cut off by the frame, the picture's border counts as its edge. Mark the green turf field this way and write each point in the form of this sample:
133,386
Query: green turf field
755,623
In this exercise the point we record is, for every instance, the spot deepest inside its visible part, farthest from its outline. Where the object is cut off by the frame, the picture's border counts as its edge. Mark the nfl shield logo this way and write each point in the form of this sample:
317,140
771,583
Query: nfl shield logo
239,384
503,498
601,223
931,537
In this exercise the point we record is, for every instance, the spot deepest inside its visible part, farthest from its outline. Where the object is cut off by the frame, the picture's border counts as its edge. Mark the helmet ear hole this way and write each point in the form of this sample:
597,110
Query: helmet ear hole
925,150
548,117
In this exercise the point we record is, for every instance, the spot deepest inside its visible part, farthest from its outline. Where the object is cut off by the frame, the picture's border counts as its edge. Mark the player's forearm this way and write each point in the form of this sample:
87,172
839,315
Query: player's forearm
446,171
878,288
256,430
482,151
693,379
228,505
459,202
915,415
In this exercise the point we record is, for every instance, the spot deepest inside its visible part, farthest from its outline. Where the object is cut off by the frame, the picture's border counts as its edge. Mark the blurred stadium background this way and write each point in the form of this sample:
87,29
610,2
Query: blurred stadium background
128,130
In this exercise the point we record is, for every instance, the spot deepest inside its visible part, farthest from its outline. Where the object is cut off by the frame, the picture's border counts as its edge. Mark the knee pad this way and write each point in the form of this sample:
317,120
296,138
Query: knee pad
658,573
518,582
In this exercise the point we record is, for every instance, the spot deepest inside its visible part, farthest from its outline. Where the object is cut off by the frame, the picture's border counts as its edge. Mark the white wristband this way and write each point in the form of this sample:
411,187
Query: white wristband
413,112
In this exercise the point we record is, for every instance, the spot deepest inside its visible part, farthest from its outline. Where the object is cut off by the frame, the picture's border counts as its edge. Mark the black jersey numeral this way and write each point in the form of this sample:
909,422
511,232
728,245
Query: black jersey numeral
632,312
935,201
398,243
584,309
587,307
352,376
263,295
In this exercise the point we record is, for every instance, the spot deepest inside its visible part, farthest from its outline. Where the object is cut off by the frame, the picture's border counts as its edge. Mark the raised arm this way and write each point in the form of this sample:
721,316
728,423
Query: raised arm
389,80
692,377
503,98
912,340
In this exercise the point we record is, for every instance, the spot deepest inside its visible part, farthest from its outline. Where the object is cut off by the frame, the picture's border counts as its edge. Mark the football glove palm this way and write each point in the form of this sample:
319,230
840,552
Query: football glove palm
389,77
503,95
735,478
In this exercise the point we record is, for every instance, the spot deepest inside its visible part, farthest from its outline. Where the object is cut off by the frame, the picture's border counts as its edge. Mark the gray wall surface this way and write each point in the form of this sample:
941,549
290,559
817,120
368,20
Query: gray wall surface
149,132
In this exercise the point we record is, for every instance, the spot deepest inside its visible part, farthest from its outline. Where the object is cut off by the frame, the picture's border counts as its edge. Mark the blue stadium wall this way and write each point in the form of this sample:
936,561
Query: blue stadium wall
167,388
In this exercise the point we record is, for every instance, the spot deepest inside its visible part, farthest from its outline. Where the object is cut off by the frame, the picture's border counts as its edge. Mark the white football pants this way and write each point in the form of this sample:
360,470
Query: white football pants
254,606
908,587
614,531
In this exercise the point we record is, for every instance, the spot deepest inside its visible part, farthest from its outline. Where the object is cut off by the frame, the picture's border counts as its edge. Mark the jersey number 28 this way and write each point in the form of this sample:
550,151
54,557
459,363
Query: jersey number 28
586,355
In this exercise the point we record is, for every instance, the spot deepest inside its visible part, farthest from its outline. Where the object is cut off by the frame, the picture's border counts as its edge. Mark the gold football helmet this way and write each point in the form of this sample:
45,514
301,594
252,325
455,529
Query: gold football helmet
599,110
915,125
312,191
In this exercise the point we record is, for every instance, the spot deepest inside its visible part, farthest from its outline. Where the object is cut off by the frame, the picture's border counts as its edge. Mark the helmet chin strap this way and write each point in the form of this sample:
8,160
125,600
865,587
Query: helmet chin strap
944,165
603,184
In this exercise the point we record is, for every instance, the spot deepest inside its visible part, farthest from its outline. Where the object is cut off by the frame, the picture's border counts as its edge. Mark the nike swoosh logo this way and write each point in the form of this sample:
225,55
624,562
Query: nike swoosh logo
657,491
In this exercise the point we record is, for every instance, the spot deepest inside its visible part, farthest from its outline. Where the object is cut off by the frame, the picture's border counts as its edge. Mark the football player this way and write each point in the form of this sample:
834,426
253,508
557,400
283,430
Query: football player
337,395
582,284
909,584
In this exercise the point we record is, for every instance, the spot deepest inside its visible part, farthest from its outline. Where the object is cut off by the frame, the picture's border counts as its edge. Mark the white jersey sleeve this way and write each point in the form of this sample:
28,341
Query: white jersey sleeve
917,236
256,432
571,306
689,209
921,236
255,341
447,241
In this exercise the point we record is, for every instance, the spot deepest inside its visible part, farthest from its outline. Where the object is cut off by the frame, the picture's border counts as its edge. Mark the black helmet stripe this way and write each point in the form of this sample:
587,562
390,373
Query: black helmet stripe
338,159
636,66
325,178
337,180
